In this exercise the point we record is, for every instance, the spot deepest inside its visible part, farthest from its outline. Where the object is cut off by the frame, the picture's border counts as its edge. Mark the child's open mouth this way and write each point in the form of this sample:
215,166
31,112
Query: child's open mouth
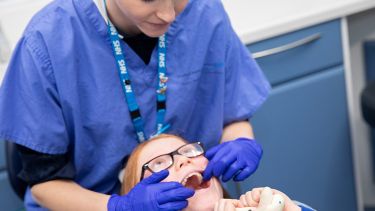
195,181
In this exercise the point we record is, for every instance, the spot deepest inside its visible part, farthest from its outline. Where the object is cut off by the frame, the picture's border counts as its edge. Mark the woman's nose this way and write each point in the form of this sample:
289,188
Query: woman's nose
182,161
166,11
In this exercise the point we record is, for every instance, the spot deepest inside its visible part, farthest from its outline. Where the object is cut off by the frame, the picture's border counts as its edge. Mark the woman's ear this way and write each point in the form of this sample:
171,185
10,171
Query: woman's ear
121,175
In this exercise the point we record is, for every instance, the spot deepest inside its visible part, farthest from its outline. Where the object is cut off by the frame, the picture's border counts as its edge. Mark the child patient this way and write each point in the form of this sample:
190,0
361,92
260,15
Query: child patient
186,165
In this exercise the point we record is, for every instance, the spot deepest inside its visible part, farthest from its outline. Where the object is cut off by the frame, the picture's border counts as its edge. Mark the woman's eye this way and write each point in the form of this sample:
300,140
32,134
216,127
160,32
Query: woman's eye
148,1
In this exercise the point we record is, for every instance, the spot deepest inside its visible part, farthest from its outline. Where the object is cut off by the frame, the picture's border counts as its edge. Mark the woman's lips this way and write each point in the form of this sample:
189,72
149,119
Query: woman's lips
159,26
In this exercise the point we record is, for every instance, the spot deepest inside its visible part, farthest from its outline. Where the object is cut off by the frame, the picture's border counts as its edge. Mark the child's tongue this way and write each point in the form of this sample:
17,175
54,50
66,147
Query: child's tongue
193,182
196,182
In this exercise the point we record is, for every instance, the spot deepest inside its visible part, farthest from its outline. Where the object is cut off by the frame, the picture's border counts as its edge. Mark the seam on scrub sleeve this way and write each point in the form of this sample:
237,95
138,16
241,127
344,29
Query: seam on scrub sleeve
43,59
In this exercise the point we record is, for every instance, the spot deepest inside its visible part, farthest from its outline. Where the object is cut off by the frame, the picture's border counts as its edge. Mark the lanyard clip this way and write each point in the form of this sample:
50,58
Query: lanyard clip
162,130
163,79
162,90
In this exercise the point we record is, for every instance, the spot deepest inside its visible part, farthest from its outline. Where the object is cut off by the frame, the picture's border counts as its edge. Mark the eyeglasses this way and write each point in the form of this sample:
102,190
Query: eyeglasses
165,161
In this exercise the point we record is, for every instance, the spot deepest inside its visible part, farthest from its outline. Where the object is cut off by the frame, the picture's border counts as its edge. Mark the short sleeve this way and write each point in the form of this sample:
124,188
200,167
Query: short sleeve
30,112
246,87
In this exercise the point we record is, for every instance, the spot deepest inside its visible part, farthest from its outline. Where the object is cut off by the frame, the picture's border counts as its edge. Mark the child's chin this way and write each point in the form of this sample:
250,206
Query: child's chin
202,205
204,200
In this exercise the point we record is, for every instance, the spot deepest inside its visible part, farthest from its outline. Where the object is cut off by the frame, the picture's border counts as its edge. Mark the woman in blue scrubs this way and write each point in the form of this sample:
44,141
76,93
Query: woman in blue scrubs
89,80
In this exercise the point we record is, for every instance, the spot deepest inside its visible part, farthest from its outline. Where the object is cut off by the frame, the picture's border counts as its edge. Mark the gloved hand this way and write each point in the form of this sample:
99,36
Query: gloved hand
152,194
236,159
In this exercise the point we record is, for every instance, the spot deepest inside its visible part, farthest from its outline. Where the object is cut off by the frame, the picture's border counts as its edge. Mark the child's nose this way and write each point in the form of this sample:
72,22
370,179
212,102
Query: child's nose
182,161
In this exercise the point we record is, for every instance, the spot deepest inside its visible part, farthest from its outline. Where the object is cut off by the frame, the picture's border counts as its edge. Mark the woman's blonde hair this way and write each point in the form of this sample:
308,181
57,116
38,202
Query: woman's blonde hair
131,177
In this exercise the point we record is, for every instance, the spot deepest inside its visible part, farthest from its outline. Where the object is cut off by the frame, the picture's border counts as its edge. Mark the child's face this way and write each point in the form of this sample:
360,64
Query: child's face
205,195
152,17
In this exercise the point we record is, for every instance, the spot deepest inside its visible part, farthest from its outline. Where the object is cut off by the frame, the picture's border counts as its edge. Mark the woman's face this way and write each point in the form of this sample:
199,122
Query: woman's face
152,17
183,170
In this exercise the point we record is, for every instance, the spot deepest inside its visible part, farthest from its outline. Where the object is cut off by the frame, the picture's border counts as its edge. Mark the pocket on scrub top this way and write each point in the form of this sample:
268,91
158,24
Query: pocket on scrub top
191,93
182,86
202,85
211,84
180,99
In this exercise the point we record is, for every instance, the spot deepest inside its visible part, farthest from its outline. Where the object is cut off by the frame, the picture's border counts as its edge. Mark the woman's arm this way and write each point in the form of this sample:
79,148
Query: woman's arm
236,130
67,195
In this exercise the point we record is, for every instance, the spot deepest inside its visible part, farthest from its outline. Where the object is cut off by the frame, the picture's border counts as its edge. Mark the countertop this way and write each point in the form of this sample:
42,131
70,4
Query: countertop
256,20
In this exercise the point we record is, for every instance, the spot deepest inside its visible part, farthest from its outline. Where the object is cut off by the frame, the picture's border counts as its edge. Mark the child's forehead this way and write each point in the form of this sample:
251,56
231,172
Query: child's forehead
160,146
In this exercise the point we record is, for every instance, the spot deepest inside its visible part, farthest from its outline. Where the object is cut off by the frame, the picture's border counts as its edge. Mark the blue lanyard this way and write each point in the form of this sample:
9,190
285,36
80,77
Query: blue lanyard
128,90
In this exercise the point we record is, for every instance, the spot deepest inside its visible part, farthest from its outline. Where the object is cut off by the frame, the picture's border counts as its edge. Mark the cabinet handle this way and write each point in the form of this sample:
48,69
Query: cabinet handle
286,47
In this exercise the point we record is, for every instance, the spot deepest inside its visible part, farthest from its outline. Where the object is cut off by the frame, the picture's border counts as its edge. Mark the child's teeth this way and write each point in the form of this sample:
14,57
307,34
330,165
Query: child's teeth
184,181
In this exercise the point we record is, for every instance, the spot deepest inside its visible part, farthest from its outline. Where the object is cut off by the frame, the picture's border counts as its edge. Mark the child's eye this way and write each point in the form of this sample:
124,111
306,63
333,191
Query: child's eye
148,1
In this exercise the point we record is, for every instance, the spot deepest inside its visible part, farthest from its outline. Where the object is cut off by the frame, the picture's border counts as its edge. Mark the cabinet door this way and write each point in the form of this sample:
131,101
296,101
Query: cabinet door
318,46
304,130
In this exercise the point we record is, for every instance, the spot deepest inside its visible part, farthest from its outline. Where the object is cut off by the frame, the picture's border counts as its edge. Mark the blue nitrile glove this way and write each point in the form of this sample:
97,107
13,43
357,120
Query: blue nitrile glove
152,194
236,159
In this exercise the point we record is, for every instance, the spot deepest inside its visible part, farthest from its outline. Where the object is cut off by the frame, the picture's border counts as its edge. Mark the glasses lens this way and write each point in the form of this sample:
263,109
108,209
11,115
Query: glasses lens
191,150
160,163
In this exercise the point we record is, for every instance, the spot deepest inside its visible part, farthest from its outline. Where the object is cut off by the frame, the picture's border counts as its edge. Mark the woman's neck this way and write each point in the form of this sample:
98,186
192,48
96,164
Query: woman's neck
121,22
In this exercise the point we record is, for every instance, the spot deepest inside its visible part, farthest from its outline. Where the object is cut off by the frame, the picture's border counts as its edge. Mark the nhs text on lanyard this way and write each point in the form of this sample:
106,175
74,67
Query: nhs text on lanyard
128,90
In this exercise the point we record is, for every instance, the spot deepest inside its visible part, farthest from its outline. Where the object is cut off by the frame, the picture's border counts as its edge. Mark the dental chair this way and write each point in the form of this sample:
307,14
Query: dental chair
14,166
368,103
368,93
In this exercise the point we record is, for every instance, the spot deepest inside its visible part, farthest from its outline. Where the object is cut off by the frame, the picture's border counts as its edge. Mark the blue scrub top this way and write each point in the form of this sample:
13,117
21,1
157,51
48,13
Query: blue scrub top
62,93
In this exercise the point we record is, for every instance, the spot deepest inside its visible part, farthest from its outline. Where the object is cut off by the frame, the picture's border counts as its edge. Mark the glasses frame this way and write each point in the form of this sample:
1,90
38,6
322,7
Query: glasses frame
171,154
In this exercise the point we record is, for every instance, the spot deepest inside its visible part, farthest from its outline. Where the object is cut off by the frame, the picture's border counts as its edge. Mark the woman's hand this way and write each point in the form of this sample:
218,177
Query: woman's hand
253,199
236,159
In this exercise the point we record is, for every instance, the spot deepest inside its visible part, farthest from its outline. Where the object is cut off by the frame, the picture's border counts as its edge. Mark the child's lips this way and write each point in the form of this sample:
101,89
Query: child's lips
205,184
